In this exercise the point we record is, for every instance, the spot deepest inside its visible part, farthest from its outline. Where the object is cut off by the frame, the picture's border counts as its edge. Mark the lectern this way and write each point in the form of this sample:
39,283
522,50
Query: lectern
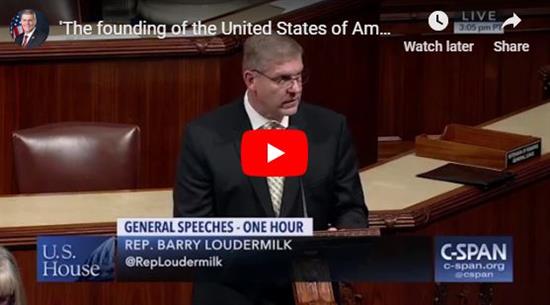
322,293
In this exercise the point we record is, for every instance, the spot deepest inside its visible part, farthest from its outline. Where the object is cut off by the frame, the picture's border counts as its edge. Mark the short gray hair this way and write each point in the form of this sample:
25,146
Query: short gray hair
10,279
260,51
28,12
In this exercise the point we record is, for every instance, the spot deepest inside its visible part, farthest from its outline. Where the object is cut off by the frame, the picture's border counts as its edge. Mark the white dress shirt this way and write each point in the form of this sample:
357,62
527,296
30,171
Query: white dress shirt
257,120
28,36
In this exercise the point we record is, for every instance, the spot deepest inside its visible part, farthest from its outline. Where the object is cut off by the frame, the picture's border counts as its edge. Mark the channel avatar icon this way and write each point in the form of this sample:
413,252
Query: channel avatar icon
274,153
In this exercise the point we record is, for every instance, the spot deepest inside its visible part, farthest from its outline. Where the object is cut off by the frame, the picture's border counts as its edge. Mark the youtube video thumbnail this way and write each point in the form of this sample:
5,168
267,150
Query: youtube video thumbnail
229,152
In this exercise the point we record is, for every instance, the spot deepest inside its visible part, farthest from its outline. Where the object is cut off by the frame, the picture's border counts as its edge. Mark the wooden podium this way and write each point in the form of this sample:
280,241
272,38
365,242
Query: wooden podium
322,293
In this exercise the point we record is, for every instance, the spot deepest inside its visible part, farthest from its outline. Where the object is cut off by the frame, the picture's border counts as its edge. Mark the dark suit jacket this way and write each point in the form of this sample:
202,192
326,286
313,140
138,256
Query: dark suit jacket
210,181
36,39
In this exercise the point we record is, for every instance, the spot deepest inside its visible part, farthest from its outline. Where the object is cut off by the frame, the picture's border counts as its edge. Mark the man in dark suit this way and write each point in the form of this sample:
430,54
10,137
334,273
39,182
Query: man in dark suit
211,183
32,37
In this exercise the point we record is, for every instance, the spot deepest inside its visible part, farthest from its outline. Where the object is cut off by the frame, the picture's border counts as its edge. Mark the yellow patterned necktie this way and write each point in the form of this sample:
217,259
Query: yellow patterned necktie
275,184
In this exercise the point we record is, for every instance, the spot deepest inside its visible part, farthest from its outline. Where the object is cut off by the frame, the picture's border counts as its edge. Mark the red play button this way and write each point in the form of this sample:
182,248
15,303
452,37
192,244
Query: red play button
274,152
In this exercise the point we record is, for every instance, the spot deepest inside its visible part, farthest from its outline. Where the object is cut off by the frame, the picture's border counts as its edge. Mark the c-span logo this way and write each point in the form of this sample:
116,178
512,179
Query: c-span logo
474,259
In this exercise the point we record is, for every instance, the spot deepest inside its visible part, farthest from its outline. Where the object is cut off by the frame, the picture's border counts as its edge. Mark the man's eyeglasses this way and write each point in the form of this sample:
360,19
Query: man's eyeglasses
286,81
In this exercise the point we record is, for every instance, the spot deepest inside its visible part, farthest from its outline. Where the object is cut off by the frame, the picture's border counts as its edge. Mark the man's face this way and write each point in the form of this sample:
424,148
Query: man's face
277,91
28,21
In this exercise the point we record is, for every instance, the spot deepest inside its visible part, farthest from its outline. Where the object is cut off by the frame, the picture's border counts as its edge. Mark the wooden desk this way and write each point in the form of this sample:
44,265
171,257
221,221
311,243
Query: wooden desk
393,186
403,204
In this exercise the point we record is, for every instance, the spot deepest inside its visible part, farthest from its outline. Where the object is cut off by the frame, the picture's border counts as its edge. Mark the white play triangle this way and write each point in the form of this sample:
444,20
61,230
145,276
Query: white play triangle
273,153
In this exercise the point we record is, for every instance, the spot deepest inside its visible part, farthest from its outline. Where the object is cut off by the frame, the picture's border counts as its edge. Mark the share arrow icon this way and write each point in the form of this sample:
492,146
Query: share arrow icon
514,20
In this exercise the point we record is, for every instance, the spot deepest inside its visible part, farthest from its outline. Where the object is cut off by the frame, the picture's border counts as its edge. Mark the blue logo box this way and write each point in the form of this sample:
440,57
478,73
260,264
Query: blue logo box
474,259
75,258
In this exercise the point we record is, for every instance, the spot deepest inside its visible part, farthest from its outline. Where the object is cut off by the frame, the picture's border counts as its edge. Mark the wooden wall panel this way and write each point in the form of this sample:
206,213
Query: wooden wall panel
231,85
422,92
161,85
162,95
545,75
159,95
8,119
428,5
344,79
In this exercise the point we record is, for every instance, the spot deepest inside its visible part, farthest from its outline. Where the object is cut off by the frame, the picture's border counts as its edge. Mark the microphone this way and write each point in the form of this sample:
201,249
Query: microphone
302,189
303,195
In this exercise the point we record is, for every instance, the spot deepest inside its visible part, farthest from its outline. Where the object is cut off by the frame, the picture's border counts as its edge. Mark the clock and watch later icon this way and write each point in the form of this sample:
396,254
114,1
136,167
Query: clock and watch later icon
438,20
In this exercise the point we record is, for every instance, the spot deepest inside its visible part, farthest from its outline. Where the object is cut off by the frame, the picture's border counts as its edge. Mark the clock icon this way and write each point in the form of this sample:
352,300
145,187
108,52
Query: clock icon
438,20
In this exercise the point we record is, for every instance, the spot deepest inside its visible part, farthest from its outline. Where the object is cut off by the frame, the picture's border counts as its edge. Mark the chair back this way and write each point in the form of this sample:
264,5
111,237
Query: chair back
77,156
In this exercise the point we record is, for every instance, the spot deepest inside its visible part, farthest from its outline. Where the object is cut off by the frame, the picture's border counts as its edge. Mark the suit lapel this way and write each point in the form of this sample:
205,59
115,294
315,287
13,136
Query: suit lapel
259,184
290,192
292,184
